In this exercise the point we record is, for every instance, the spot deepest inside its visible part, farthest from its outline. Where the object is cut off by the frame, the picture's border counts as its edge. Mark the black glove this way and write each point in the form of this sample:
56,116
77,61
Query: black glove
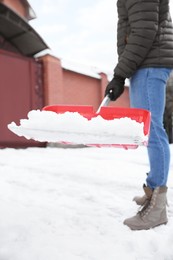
115,88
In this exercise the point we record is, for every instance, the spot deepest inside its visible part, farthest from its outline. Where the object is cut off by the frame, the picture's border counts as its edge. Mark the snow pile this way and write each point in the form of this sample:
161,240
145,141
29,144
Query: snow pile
70,204
71,127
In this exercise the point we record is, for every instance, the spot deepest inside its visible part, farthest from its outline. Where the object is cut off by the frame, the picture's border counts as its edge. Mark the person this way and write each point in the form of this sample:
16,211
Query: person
145,56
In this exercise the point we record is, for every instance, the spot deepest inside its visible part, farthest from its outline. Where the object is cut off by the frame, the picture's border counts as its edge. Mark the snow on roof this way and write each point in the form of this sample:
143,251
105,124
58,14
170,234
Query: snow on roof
87,70
31,13
81,68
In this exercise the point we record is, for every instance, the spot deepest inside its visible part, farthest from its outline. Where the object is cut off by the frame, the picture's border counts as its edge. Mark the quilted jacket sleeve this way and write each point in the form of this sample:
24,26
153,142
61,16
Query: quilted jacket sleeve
143,19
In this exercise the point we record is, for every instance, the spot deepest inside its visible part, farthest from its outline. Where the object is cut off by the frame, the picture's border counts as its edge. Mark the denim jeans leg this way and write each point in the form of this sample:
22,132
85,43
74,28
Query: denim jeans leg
147,91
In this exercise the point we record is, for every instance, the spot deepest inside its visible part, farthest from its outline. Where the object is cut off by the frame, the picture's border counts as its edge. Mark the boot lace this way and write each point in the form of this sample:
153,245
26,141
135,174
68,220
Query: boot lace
149,204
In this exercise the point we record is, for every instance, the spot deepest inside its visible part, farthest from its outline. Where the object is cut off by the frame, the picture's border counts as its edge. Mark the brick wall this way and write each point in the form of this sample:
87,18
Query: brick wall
64,86
52,80
81,89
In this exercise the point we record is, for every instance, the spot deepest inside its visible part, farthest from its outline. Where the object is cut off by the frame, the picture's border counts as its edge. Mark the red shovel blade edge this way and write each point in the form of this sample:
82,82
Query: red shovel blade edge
108,113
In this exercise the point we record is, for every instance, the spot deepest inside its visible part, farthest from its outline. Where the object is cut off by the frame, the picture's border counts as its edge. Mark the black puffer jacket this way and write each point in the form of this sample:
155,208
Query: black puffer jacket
145,35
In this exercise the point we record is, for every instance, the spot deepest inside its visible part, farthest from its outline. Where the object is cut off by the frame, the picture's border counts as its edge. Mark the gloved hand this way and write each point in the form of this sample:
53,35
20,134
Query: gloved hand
115,88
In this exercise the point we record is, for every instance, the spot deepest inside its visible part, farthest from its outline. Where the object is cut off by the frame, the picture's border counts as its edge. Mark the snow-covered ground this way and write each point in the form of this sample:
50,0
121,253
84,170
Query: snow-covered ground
69,204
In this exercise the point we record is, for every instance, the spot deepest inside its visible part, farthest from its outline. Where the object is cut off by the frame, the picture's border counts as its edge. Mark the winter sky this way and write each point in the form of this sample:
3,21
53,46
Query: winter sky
80,31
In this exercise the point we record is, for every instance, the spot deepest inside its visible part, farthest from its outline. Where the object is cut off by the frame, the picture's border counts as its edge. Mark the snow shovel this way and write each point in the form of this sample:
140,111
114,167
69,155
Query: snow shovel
124,137
69,124
107,127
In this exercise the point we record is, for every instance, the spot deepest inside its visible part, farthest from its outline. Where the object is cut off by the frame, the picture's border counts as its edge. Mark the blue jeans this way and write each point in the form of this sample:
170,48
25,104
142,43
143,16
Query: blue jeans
148,91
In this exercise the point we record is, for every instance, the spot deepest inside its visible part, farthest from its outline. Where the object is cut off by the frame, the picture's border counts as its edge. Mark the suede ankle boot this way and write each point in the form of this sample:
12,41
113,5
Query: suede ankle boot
153,212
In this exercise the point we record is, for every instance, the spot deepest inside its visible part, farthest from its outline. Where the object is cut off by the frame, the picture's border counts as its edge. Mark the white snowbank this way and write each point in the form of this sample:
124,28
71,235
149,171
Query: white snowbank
74,128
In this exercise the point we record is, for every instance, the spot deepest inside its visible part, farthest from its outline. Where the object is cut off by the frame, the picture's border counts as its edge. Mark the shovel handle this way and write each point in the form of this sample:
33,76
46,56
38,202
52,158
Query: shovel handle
104,103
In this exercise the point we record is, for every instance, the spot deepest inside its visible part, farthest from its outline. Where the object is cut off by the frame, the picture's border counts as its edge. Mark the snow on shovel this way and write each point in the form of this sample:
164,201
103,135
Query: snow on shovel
108,126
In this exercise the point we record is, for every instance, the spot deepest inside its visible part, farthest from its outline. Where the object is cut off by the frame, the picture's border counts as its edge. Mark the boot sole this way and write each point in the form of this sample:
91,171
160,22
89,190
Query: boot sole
147,228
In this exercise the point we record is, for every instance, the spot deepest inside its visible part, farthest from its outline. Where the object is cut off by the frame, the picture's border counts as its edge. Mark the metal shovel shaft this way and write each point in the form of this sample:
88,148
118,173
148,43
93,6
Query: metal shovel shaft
104,103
